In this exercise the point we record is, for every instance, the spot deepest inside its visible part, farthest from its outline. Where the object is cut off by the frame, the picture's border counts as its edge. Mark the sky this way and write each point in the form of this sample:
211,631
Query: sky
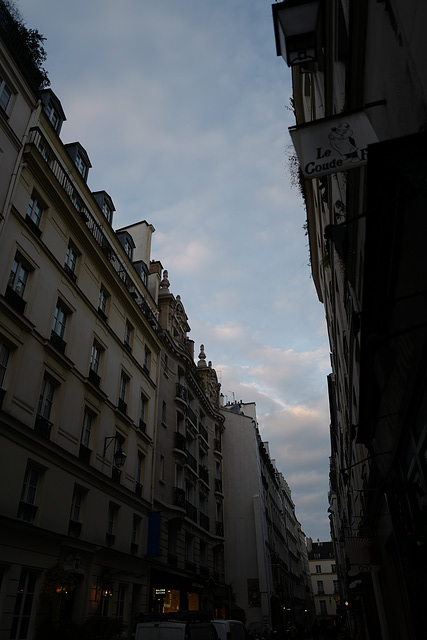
184,108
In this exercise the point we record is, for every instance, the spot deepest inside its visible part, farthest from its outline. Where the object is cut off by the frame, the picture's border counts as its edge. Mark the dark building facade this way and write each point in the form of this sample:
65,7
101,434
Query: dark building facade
359,78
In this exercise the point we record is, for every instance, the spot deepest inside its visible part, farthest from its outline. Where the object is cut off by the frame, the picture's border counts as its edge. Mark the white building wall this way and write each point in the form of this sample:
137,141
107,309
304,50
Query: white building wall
244,530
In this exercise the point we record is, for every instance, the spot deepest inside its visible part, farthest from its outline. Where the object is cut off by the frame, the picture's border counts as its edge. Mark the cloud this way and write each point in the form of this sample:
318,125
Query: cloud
183,109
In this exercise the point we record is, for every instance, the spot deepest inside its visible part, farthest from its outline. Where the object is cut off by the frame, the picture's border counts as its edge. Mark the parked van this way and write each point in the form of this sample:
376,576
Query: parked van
175,630
230,630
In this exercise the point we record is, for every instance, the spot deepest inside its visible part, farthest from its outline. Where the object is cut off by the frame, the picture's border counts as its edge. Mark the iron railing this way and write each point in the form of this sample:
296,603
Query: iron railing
39,142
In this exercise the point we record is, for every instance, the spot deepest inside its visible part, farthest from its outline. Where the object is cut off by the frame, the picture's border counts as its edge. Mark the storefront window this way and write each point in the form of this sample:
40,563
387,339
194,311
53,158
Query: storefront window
171,601
193,601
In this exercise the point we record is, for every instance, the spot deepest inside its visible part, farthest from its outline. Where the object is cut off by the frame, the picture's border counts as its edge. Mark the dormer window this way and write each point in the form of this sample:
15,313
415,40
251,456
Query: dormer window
107,211
80,158
51,114
105,204
80,165
53,109
128,248
127,243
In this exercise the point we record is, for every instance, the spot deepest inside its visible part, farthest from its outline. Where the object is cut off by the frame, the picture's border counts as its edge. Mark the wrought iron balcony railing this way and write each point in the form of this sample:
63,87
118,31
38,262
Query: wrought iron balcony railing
178,497
37,140
42,426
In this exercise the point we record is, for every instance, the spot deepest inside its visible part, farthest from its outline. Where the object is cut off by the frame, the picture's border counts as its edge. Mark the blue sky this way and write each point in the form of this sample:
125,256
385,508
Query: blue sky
184,108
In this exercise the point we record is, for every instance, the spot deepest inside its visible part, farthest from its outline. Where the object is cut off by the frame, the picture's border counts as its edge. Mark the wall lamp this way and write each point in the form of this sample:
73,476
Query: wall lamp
119,454
297,29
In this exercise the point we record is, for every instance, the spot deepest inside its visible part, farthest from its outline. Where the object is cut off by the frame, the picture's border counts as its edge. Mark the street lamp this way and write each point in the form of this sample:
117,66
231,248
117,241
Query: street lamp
297,30
119,454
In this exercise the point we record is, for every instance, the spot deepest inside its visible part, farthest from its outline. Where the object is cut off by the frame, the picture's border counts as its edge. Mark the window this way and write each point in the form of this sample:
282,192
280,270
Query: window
60,319
336,586
333,568
323,609
147,354
71,260
124,381
95,356
76,504
179,476
128,336
164,413
320,588
81,165
318,568
23,604
18,277
102,302
5,94
140,468
47,392
35,210
107,211
120,605
4,359
88,419
143,412
51,114
27,508
128,248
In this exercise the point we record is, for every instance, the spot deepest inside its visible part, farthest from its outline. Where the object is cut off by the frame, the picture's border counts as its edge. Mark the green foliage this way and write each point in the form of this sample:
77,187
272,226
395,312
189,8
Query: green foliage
26,45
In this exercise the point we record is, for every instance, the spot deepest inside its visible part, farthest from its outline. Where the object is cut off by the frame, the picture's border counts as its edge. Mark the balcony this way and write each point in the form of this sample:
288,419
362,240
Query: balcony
102,314
142,425
192,416
203,432
191,511
204,473
70,273
42,427
178,498
32,225
122,406
38,144
179,441
217,445
94,378
204,521
181,392
219,529
57,342
192,462
15,300
218,485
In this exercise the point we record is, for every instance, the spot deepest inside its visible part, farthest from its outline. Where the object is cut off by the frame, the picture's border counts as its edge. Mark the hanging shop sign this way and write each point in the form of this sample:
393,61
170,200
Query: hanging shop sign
333,144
